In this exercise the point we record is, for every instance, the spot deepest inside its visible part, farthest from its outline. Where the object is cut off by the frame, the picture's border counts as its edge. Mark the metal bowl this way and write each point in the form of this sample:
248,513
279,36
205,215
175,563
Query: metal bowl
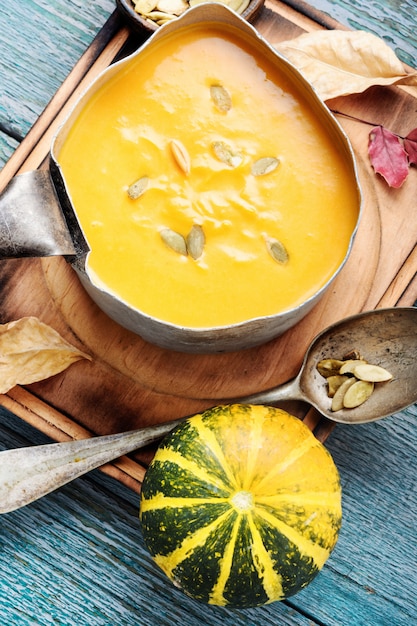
252,331
232,337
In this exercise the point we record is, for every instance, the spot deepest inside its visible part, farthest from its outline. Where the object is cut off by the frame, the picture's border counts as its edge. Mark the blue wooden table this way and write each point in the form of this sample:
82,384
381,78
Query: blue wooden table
77,557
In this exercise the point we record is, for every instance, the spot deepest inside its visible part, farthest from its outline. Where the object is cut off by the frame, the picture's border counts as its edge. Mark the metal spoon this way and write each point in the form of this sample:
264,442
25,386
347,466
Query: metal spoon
386,337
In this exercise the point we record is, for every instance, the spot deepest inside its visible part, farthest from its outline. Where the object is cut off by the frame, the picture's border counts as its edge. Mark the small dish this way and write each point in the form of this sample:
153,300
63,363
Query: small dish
140,22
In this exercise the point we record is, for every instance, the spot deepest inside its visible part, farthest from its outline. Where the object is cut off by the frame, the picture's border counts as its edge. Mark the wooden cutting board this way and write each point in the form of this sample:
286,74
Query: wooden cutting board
130,383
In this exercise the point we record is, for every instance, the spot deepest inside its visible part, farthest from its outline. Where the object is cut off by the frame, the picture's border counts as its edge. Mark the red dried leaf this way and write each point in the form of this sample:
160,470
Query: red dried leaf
388,156
410,146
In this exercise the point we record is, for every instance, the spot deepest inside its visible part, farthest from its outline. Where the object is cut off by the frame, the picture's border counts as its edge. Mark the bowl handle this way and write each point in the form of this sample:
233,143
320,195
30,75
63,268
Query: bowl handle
32,223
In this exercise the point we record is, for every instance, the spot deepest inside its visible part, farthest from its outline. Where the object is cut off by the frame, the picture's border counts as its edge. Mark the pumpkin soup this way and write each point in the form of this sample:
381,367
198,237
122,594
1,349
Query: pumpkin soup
208,190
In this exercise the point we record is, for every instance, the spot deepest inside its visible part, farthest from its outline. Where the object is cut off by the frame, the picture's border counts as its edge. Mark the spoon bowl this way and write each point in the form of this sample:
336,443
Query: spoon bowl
385,337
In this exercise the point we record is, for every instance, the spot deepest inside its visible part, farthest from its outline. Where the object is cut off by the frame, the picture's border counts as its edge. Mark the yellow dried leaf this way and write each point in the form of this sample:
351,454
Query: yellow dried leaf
339,63
31,351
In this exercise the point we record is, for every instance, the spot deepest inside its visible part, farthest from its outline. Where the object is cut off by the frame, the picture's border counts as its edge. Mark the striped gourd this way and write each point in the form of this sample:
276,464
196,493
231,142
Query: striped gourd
241,506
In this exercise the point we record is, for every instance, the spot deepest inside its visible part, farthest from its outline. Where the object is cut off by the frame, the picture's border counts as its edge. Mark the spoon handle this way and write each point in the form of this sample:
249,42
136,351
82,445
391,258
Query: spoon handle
290,390
27,474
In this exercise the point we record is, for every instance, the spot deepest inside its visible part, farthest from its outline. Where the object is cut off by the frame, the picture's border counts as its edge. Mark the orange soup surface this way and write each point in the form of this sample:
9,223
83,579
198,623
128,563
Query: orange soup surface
159,120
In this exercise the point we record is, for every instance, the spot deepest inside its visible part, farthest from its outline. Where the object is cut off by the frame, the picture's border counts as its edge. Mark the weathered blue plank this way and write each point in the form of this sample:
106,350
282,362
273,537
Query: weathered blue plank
389,19
40,41
7,147
376,556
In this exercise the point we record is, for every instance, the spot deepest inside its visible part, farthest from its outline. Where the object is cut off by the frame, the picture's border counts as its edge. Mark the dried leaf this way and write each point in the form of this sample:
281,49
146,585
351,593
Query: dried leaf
410,146
388,156
338,63
31,351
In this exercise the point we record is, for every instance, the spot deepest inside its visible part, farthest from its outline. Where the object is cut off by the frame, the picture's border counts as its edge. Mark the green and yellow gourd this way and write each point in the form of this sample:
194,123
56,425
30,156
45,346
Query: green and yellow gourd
241,506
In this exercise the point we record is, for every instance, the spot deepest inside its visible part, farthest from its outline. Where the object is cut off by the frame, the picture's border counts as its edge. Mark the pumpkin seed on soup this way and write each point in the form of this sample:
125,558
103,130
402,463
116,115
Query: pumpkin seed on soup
174,240
226,154
181,156
138,188
221,98
277,250
195,241
264,166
